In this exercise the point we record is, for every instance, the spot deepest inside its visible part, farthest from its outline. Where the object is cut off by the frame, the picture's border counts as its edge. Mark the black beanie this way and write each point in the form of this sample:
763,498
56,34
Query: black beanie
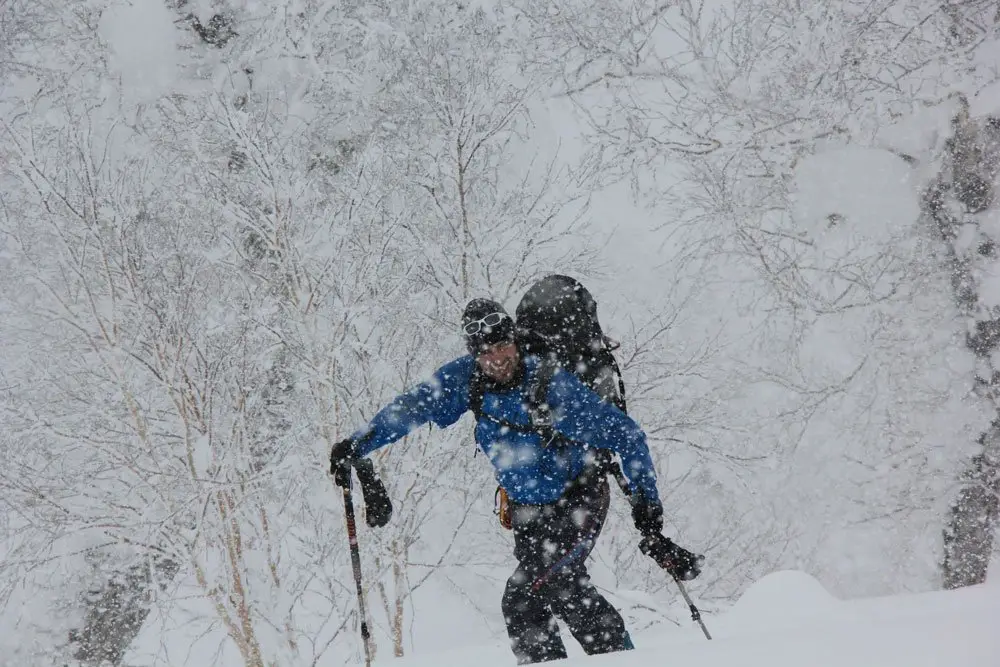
485,335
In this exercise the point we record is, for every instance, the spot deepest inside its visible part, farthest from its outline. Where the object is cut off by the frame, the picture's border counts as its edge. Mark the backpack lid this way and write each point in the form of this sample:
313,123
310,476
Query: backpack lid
558,316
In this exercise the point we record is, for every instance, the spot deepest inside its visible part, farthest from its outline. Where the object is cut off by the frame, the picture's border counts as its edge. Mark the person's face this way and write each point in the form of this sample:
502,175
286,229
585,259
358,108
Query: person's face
499,361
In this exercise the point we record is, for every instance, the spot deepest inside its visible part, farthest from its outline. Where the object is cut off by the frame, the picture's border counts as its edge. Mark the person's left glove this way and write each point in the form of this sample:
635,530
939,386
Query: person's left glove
678,561
343,457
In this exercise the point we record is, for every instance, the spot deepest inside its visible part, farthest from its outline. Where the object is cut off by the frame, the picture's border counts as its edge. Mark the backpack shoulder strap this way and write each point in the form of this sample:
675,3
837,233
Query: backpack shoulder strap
538,391
607,462
538,401
607,358
477,390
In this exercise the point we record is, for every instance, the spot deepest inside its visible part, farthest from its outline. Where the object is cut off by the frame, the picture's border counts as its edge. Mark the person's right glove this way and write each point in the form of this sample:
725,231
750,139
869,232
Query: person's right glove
343,456
378,507
678,561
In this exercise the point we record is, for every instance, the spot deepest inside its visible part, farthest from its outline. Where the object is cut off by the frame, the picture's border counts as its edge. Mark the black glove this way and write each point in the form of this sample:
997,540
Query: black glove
678,561
647,515
378,507
343,455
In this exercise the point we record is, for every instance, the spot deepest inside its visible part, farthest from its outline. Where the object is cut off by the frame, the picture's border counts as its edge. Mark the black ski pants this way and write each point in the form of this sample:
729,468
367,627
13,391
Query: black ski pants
551,543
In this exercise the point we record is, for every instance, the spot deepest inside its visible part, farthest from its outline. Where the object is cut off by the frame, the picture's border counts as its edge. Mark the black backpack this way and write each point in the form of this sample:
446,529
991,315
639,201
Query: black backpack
557,322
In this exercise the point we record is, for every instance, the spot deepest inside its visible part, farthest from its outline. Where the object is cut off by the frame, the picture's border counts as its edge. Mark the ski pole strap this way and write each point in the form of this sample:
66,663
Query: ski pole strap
616,471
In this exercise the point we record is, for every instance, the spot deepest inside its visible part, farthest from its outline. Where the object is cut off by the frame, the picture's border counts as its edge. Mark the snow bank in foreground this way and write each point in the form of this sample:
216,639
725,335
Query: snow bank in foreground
787,619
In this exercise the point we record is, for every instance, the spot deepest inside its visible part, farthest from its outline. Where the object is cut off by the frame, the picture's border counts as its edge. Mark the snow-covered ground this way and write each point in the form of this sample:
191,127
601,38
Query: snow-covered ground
787,619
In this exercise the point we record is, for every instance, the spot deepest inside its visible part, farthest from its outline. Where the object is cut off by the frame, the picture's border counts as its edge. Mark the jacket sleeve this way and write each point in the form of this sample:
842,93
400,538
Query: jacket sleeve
443,400
580,414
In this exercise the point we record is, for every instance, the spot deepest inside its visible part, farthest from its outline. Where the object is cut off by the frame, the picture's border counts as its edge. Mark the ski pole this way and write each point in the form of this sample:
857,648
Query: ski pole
695,614
352,537
658,547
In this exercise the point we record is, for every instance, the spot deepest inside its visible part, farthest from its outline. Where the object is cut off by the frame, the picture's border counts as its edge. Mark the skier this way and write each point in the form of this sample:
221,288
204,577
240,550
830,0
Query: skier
558,495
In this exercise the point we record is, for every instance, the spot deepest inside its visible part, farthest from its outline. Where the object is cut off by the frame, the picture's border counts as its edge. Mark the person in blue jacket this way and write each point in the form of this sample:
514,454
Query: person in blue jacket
558,502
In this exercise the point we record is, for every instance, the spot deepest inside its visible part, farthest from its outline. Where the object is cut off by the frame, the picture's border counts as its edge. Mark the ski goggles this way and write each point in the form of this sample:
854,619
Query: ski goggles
491,320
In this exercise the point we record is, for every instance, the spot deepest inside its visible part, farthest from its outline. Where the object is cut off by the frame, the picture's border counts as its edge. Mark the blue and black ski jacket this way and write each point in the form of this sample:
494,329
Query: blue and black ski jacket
531,471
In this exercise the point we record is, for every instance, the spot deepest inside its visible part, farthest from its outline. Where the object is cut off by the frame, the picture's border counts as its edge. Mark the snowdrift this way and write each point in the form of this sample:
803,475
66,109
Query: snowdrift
787,619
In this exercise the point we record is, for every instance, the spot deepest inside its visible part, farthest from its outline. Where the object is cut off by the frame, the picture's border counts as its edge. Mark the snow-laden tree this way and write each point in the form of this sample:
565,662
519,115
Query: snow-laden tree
226,267
712,111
